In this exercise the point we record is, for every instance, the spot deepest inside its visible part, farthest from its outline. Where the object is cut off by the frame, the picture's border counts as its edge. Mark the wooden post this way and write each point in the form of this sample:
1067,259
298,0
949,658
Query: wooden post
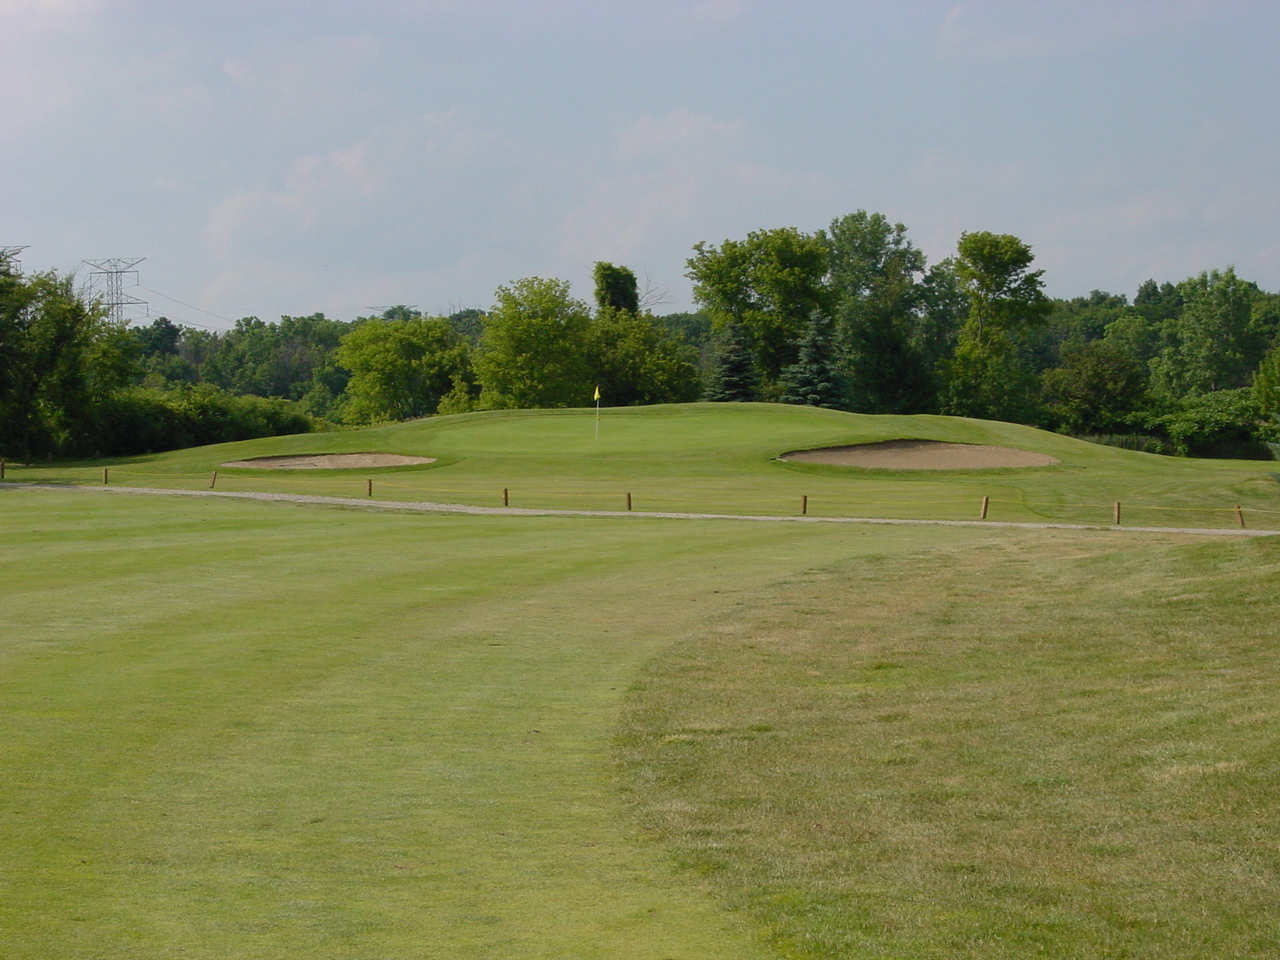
804,505
1,469
986,502
369,491
1117,513
213,480
506,497
104,475
1240,516
628,501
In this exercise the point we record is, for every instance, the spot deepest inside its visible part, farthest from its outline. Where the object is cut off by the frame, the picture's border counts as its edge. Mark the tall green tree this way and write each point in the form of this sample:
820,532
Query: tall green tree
634,361
1004,293
1070,325
768,285
815,379
616,288
874,274
943,309
986,377
1157,302
533,352
734,377
1266,383
1135,335
59,358
1211,344
400,369
1096,390
161,337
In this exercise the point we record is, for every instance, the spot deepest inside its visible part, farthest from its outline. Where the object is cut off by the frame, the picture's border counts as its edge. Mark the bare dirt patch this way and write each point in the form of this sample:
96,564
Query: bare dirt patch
330,461
922,455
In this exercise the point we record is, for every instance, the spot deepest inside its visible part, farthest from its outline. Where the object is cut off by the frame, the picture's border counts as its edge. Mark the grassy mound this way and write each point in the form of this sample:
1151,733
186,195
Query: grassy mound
719,458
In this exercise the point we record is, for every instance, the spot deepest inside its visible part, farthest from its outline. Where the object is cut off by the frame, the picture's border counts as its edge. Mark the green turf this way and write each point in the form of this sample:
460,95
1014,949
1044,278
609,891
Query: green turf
261,730
1047,747
265,730
719,458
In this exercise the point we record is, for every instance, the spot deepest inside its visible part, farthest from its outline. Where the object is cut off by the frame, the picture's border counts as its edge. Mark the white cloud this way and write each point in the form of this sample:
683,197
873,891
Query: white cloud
313,187
993,30
408,213
718,11
666,173
44,14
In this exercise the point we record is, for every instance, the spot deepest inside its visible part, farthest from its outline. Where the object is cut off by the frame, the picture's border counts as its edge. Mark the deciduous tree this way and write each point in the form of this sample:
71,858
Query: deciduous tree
1210,344
399,368
616,288
634,361
533,350
59,357
768,285
986,378
874,274
1096,389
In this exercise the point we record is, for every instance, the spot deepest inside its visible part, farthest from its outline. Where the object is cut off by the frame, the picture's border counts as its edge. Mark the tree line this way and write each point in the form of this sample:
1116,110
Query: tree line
852,317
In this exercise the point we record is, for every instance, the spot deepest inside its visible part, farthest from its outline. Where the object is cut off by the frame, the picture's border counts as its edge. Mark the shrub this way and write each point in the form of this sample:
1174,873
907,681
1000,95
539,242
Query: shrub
144,420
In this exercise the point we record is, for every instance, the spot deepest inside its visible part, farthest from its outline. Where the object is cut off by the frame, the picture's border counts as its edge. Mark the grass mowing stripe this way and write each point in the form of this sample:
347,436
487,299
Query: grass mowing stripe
257,731
1056,748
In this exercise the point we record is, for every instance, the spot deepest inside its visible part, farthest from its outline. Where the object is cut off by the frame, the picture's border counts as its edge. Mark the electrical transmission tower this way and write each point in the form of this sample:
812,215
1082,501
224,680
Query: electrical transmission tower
9,258
114,269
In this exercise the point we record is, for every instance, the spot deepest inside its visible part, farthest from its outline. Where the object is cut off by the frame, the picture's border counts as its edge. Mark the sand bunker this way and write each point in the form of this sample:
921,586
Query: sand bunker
922,455
329,461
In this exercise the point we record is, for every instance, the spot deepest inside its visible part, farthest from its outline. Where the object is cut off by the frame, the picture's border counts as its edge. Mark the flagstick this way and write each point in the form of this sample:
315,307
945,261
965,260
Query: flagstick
597,418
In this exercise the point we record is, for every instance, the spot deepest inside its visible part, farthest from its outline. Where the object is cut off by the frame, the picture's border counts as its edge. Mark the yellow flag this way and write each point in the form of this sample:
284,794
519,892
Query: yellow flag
597,393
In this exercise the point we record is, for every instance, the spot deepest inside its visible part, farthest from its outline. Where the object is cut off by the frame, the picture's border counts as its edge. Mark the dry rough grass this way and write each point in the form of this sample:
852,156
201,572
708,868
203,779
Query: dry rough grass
1021,748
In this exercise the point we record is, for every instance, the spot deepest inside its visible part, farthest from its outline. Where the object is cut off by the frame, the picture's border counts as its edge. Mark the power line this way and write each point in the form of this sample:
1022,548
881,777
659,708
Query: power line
189,306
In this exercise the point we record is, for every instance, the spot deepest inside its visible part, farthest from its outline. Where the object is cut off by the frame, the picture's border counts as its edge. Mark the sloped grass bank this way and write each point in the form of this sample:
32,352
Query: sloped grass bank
719,458
1039,747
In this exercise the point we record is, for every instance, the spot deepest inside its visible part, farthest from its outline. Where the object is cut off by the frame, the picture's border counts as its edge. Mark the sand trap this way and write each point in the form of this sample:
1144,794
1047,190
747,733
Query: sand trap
922,455
329,461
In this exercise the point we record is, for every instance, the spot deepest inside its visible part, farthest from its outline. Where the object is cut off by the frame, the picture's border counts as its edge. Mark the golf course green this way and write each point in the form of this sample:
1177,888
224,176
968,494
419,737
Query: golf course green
719,458
251,729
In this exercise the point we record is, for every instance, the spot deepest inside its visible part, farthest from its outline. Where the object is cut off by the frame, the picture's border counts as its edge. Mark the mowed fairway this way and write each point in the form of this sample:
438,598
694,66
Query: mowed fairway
266,730
259,730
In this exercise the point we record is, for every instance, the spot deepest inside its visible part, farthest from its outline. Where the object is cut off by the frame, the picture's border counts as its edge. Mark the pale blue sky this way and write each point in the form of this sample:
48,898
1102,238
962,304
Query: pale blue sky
292,157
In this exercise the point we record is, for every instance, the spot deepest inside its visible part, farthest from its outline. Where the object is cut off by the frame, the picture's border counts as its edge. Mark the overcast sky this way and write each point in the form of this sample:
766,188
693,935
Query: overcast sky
274,157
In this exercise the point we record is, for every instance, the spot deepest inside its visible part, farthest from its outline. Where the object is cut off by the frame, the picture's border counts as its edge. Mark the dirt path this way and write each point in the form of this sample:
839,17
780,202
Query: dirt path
409,506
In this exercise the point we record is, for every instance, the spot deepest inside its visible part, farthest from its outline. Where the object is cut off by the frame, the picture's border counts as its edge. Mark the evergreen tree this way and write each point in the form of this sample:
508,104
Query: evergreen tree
814,379
733,377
